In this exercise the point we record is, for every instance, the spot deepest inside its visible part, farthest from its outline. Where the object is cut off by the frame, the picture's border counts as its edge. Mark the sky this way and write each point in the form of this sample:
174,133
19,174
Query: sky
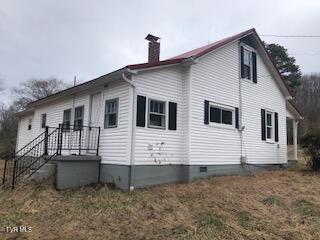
87,39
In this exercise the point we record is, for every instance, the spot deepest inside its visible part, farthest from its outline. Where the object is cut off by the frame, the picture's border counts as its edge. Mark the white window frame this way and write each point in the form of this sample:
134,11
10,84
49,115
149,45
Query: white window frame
30,124
250,50
164,114
75,127
65,126
226,108
41,120
268,112
106,113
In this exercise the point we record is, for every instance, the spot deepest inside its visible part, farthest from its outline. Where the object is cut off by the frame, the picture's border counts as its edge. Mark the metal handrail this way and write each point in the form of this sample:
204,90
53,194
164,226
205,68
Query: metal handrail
47,145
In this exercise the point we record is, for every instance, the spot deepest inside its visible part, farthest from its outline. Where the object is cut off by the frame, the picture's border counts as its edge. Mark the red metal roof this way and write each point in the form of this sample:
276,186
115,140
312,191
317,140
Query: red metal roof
155,64
195,53
198,52
294,105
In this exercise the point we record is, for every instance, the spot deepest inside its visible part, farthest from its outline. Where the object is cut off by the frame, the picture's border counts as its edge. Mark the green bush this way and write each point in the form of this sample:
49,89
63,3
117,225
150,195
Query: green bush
310,142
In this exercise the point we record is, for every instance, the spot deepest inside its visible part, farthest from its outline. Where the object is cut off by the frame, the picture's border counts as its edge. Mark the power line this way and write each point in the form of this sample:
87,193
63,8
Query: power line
305,54
290,36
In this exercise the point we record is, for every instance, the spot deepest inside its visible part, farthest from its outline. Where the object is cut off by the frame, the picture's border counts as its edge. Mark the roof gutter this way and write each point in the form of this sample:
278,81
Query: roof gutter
25,112
189,61
291,106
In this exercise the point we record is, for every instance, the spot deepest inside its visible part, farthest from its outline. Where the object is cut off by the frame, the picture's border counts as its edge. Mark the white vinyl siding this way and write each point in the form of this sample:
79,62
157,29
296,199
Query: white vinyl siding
114,142
216,78
160,146
263,95
24,135
114,146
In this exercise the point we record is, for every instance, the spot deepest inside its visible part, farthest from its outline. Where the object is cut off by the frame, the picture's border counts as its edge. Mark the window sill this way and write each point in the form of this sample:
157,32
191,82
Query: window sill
110,127
270,141
247,80
223,126
156,127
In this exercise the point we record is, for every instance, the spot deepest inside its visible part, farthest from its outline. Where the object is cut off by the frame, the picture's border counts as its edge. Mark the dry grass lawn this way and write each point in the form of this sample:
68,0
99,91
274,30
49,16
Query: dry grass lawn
270,205
1,166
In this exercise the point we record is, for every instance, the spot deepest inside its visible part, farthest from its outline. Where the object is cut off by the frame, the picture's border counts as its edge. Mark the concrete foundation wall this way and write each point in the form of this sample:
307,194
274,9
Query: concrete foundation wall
76,171
118,175
148,175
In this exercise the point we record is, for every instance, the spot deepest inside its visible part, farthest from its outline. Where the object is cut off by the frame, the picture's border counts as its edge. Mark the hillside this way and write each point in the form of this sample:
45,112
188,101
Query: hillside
270,205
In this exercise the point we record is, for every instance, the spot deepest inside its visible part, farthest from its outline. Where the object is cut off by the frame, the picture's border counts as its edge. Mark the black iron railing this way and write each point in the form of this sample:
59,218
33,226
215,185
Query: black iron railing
78,140
64,140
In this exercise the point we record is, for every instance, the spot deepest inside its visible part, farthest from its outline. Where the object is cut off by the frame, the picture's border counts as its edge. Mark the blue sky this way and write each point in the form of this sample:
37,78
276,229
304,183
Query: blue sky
41,39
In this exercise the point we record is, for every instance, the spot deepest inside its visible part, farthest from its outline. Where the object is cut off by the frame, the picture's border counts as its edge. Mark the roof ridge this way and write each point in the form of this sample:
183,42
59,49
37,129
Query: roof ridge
195,53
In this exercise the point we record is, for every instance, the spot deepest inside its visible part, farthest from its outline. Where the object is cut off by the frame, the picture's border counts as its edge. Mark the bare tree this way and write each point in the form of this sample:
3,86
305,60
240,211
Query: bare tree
1,85
8,131
36,89
308,100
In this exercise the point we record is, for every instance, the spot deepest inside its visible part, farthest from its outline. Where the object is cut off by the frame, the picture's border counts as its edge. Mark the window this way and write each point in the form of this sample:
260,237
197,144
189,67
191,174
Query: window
269,127
43,120
111,113
30,124
221,115
141,111
156,114
247,63
78,118
66,119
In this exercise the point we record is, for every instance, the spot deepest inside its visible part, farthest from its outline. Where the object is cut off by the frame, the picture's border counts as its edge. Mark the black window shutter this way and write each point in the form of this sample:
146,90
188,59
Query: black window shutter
172,116
206,112
242,63
276,128
263,124
141,111
237,118
254,67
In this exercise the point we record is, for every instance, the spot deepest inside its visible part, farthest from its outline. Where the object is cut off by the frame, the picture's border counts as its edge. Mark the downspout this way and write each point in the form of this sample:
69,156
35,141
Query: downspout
131,170
72,117
241,127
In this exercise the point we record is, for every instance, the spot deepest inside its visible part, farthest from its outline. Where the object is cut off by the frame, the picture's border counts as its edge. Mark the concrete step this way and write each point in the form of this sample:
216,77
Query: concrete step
46,171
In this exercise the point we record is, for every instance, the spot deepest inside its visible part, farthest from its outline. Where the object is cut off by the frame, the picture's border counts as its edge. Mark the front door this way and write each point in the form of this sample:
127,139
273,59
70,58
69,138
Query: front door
96,110
96,115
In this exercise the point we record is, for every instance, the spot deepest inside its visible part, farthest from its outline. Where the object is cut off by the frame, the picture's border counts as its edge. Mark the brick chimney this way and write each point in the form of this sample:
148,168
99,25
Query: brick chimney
154,48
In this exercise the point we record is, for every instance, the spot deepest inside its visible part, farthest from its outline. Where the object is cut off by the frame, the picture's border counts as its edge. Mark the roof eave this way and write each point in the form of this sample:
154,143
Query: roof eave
25,112
284,86
163,63
81,87
294,109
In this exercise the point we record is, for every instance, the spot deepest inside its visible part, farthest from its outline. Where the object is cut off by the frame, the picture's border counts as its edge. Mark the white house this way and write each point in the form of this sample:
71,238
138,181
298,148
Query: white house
214,110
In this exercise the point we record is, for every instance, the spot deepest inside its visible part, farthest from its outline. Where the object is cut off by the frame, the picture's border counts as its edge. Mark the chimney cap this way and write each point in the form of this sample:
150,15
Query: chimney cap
152,38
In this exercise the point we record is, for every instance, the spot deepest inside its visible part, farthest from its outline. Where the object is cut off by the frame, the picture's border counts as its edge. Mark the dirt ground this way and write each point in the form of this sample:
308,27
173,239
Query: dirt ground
1,168
282,204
